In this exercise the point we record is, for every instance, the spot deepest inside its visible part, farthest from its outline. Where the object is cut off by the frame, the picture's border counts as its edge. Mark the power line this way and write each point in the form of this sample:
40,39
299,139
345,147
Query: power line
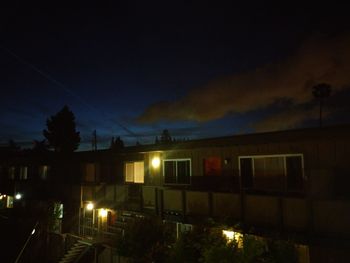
62,86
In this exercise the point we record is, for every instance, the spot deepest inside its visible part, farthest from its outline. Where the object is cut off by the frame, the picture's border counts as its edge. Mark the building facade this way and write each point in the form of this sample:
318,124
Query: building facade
294,183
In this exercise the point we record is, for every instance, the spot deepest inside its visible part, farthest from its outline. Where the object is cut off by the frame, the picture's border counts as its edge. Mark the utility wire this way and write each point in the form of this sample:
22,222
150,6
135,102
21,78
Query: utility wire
62,86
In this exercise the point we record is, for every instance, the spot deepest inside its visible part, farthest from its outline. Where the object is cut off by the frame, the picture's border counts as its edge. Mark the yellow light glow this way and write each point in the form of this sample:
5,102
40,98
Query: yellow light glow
230,235
1,197
90,206
103,212
155,162
236,236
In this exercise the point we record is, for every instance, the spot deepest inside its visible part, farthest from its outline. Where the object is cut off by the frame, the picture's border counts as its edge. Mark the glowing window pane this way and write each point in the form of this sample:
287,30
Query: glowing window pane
129,172
138,172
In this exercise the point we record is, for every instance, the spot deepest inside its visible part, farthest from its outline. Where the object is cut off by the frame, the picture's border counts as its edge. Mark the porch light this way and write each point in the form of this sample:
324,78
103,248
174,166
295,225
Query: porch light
230,235
236,236
103,212
90,206
18,196
155,162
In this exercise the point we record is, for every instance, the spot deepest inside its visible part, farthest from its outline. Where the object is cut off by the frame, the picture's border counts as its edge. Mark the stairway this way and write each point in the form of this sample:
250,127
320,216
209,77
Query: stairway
75,252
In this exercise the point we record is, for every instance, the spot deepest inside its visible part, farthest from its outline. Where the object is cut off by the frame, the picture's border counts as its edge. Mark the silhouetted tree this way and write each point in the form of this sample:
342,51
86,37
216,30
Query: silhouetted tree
40,146
61,133
320,92
116,144
165,137
12,146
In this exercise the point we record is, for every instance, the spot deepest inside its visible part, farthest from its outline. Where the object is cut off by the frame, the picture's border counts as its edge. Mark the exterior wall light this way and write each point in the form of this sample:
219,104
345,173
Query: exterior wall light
18,196
103,212
90,206
155,162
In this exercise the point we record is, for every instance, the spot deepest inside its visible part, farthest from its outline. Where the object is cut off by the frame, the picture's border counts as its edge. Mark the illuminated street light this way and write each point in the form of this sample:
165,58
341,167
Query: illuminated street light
18,196
155,162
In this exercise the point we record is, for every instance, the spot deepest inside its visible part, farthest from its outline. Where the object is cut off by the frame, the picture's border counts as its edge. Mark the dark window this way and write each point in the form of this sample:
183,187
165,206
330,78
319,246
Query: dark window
269,173
170,172
183,172
294,173
177,172
280,173
246,172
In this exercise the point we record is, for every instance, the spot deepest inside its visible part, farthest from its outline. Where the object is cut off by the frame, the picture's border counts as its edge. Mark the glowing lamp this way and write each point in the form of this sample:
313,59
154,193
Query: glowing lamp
230,235
18,196
155,162
103,213
90,206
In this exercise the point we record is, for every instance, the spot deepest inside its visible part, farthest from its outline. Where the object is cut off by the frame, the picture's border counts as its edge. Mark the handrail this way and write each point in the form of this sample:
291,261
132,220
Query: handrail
26,243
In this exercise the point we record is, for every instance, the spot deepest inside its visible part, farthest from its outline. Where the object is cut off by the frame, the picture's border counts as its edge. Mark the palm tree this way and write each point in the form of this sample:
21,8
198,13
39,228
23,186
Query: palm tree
320,92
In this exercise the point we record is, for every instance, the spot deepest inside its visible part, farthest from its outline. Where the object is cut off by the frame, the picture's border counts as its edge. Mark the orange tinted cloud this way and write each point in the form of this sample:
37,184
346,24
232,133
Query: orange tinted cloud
318,60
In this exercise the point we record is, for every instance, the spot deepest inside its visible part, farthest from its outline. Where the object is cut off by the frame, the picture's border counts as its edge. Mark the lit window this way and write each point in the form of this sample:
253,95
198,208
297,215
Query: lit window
177,171
134,172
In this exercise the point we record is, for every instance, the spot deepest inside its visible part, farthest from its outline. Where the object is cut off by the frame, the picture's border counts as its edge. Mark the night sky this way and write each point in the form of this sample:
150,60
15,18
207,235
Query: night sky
196,69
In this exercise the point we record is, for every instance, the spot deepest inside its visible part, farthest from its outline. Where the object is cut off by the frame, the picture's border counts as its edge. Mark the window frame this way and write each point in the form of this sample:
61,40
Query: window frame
133,163
284,156
176,168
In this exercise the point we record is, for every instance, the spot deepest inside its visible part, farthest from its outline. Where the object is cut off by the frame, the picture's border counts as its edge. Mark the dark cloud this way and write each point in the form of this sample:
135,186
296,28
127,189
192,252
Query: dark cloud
289,119
320,59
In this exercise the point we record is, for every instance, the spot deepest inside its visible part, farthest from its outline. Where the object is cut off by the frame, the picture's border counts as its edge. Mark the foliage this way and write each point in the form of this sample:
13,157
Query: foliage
40,146
61,131
188,247
12,146
54,215
209,246
165,137
321,90
144,240
116,144
218,249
